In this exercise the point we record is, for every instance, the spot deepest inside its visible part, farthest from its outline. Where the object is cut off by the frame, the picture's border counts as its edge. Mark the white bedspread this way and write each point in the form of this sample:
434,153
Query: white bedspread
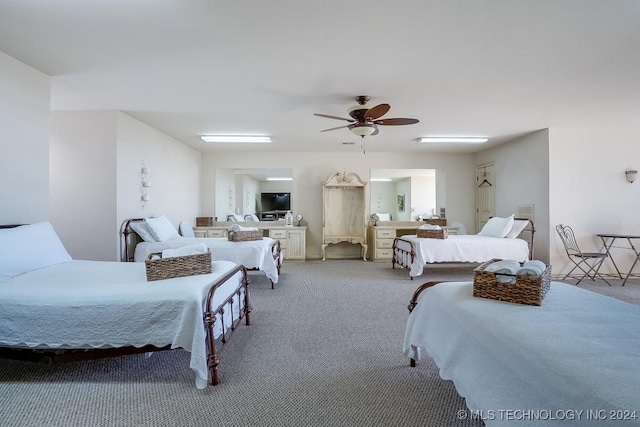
463,248
93,304
579,351
251,254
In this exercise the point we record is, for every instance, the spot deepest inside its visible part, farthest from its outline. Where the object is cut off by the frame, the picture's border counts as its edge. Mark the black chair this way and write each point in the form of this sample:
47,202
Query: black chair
587,262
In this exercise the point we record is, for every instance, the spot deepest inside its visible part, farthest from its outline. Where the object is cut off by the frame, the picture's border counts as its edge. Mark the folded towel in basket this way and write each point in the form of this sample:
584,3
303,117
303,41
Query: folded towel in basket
532,268
504,270
429,227
238,227
197,249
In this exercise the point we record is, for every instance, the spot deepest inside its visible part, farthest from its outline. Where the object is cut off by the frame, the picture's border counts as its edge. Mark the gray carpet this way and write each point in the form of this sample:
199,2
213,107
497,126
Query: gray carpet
324,349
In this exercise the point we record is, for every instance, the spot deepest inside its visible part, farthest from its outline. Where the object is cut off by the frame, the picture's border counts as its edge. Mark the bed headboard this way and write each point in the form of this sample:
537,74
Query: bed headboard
528,234
129,240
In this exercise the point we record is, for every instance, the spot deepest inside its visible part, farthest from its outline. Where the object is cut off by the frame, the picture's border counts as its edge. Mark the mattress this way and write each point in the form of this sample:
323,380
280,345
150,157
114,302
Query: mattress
579,351
253,254
463,248
94,304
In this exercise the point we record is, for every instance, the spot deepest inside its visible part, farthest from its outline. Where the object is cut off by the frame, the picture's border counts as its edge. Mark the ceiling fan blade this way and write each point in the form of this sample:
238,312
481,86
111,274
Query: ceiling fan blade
339,127
377,111
333,117
395,122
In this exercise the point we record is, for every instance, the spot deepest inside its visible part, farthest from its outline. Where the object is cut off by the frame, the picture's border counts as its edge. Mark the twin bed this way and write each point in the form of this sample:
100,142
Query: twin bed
264,255
413,253
571,361
53,307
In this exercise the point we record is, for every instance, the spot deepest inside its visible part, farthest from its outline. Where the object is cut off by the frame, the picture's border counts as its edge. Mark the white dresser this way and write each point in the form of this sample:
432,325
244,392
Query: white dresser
293,240
381,235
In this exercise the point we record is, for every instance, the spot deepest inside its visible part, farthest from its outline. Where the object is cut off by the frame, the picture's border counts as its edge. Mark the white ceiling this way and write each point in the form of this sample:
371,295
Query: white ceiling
495,68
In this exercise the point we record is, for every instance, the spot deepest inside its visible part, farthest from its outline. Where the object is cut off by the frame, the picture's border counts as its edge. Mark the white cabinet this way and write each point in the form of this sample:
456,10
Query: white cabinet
293,240
381,237
217,233
345,211
296,244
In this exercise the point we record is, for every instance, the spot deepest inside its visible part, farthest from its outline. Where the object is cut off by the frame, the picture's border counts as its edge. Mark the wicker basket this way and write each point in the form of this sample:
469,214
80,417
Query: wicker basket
442,222
243,236
180,266
432,234
529,290
204,221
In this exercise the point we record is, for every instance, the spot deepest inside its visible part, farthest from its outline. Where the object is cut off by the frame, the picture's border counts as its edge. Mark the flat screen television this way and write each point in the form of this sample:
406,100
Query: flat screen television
275,201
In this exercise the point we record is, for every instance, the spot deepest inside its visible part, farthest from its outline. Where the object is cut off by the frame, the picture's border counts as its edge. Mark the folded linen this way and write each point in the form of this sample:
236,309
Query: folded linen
197,249
429,227
532,268
238,227
505,270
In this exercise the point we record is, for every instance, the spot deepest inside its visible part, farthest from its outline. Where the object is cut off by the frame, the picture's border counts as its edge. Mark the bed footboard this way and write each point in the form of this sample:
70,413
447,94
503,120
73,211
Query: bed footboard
210,313
412,304
402,256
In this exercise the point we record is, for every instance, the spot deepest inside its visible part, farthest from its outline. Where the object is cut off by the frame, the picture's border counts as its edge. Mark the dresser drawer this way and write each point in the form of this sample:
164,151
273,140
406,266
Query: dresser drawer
278,234
384,243
384,253
216,233
385,234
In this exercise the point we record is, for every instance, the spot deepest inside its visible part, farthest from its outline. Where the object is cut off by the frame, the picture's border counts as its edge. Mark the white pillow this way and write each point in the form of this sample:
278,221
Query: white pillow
29,247
143,230
162,229
186,229
518,226
497,227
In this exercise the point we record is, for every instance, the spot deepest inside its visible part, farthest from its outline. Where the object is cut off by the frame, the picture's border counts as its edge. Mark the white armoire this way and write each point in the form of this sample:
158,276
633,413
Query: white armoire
345,211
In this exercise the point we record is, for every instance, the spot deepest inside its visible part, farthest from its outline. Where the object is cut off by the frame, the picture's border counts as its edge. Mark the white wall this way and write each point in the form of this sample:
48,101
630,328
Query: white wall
224,199
588,189
175,174
521,176
24,141
310,170
83,182
95,179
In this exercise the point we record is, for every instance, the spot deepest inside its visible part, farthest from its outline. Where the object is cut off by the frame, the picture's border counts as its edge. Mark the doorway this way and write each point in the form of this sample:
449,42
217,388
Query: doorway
485,191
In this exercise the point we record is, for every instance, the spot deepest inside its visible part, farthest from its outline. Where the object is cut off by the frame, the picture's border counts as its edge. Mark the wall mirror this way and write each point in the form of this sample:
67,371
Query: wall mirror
263,192
408,194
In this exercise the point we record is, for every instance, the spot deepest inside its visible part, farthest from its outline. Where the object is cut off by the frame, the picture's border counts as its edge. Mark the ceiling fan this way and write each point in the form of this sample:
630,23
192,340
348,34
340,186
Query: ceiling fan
364,121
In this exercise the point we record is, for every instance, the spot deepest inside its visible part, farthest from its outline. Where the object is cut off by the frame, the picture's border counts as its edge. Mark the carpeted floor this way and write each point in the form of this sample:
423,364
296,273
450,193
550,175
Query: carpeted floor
324,349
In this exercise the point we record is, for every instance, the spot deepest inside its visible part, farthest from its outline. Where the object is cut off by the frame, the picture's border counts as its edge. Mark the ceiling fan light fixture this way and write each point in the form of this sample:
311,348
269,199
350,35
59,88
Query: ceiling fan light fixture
363,130
237,139
462,139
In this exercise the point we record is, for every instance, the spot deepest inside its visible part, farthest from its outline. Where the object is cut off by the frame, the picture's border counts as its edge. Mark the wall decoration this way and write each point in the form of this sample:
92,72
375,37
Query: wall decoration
400,203
144,184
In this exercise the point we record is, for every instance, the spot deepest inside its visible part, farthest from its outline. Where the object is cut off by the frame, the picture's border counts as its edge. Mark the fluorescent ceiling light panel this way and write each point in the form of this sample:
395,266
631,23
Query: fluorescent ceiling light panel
381,179
237,139
279,179
465,139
